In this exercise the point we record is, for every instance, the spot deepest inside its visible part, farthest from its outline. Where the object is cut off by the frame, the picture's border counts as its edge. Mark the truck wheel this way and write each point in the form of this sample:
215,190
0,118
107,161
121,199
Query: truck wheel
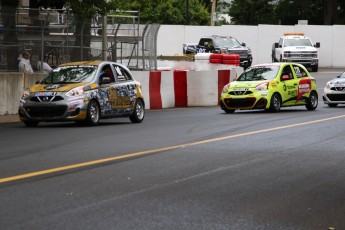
315,68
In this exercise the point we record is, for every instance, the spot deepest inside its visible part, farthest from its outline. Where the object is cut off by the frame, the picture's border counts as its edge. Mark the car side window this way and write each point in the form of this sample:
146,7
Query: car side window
106,71
300,73
286,72
122,74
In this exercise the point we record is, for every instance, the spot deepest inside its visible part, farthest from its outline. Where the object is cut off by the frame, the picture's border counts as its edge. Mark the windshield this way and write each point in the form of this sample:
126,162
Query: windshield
71,74
297,42
259,73
226,41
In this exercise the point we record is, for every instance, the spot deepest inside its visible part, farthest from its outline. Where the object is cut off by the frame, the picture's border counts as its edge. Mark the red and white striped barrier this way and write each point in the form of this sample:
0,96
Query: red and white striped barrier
182,88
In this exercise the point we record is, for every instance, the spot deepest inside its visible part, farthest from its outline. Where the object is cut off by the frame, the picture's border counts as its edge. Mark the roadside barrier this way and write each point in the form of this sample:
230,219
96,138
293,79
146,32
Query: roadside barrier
161,89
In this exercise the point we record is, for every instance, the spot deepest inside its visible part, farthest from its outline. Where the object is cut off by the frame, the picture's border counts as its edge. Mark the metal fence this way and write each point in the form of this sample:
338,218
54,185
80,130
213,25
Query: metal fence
53,33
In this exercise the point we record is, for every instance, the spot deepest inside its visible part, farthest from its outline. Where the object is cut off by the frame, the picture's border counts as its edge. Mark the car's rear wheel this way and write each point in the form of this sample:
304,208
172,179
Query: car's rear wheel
332,105
275,103
138,113
92,116
31,123
313,101
228,110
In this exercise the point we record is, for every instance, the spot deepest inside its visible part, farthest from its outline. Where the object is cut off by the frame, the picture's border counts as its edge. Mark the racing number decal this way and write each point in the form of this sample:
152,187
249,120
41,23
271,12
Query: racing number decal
304,86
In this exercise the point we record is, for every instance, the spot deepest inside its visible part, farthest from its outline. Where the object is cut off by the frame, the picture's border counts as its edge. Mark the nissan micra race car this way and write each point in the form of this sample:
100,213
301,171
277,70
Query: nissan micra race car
83,92
334,91
270,87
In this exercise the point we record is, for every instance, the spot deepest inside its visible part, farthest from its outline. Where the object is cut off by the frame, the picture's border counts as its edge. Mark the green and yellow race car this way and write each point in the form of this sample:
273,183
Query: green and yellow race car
270,87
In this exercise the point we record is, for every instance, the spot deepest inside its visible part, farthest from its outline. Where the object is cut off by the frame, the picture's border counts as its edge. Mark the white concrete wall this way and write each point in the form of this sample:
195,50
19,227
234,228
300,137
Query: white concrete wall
258,38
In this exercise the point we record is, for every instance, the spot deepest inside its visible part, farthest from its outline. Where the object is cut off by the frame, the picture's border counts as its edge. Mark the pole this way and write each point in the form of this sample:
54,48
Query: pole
104,38
213,11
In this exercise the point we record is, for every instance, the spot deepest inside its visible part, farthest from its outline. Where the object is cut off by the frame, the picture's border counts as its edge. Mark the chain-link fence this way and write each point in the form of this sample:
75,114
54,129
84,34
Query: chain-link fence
57,34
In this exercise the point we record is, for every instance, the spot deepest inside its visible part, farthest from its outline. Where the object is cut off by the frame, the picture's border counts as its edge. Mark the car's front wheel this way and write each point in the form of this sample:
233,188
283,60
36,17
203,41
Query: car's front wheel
275,103
92,116
138,113
31,123
313,101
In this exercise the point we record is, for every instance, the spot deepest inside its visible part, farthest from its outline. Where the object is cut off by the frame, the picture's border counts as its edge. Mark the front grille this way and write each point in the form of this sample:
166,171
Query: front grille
336,97
338,88
240,93
44,111
239,103
46,98
242,53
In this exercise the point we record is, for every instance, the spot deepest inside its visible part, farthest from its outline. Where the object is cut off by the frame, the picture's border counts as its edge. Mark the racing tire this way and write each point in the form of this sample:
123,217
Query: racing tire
231,57
216,56
31,123
332,105
312,101
92,114
138,113
315,68
216,61
228,110
275,103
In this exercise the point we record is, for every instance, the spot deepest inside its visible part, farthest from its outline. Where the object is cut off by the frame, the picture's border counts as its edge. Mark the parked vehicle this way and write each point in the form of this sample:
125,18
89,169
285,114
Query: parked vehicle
83,92
295,47
270,87
226,45
334,91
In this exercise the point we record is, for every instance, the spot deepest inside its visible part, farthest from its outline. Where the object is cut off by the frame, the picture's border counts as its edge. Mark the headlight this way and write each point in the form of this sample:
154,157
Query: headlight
75,92
328,85
226,88
25,94
262,87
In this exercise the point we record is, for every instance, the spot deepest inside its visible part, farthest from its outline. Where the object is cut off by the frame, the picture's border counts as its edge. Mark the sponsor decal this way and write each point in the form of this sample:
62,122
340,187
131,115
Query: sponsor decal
45,94
50,87
304,86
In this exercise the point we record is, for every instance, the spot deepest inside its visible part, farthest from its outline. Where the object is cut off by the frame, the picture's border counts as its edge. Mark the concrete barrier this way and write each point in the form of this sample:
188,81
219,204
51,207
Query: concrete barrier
161,89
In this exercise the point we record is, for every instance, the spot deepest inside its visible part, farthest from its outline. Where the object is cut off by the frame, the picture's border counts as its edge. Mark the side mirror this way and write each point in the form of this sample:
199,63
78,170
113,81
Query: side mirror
244,44
276,45
317,45
338,76
105,79
285,77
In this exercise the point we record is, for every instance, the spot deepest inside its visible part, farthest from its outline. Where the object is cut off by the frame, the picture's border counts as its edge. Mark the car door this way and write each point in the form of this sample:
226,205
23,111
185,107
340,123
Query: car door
122,93
290,86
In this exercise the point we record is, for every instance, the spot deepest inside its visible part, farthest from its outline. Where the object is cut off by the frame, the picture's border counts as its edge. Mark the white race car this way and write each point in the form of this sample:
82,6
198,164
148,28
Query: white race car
334,92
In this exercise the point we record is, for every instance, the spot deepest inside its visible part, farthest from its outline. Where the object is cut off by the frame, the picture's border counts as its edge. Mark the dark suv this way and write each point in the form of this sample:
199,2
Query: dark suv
228,45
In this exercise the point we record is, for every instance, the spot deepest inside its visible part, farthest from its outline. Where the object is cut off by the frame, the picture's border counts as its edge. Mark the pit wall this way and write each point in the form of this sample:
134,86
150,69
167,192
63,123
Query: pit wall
259,38
162,89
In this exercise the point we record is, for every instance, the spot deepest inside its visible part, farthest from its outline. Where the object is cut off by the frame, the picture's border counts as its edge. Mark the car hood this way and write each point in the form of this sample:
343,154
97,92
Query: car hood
246,84
65,87
337,81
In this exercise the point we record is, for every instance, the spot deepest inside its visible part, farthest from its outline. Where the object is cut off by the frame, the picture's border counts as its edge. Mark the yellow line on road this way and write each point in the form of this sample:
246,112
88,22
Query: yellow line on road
142,153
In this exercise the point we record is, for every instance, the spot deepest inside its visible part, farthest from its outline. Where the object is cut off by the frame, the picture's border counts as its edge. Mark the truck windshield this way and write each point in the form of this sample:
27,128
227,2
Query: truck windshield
259,73
71,74
297,42
226,42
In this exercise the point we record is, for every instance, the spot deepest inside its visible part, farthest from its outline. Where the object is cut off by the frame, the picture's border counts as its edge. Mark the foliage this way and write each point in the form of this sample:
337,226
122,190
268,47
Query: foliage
287,12
168,12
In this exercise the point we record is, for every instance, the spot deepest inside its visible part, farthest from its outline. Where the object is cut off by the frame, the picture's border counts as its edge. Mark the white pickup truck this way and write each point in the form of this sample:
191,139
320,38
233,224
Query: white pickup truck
295,47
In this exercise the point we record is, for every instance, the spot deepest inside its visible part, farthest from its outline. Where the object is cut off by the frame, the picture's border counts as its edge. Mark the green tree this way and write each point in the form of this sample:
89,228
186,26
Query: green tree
252,12
169,12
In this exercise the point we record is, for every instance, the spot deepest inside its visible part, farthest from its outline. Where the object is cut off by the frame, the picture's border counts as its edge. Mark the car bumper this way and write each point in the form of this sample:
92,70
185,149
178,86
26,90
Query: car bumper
307,62
333,97
257,100
34,109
